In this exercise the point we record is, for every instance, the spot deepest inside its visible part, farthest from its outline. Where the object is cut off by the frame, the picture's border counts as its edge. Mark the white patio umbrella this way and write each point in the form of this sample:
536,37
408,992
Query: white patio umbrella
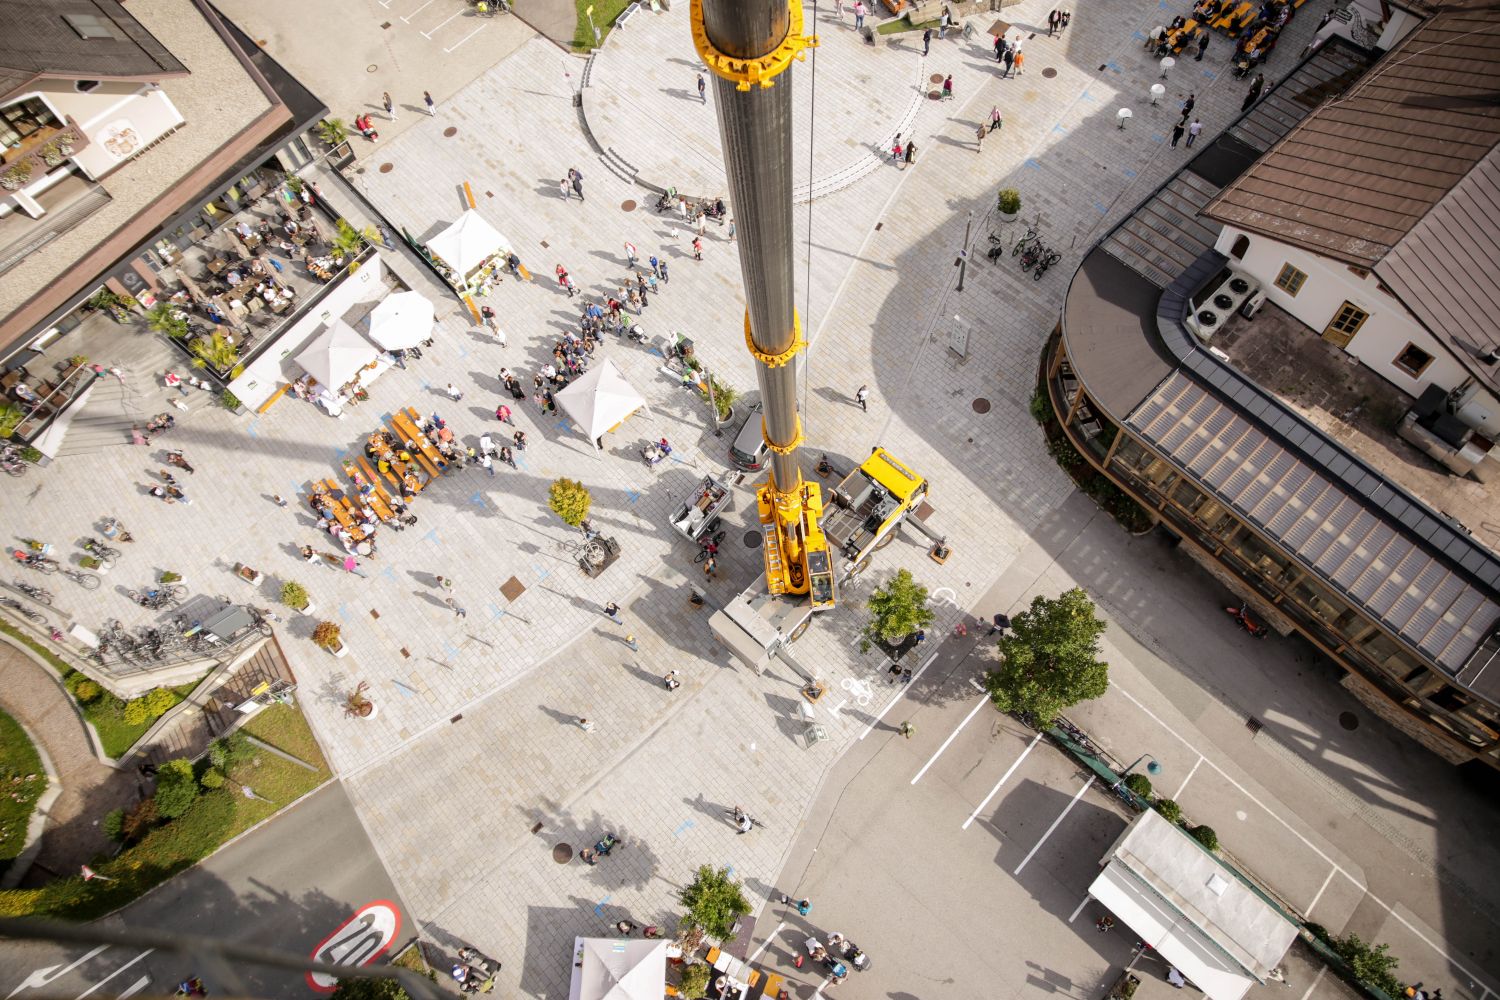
599,399
620,970
336,355
401,320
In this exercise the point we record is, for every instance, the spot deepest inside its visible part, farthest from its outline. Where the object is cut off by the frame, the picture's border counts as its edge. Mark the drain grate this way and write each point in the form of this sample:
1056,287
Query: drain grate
1254,725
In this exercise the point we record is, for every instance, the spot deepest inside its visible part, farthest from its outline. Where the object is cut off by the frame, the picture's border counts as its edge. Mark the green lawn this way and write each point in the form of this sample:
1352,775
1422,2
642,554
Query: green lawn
107,715
23,782
215,817
605,12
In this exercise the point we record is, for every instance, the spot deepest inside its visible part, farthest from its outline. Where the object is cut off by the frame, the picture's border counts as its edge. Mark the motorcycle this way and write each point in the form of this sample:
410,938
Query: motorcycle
1242,618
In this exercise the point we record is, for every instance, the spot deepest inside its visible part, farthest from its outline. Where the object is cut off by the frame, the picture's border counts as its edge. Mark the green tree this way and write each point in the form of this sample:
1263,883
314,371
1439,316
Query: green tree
714,901
214,351
1050,659
570,501
1206,836
1169,809
694,982
333,130
349,241
165,317
1371,964
1140,784
370,989
135,712
226,751
897,609
114,824
176,788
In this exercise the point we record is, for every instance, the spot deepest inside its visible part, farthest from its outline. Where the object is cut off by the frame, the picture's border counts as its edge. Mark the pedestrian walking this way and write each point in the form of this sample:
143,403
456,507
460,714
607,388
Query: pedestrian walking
612,612
1000,48
566,188
1020,63
390,106
862,398
486,463
999,623
1177,131
711,566
443,582
635,647
859,15
630,254
702,90
896,149
502,414
585,724
926,40
948,87
655,265
565,281
1067,16
1187,106
906,729
996,120
454,392
670,681
979,137
1256,86
1052,22
577,180
838,9
280,500
1193,131
911,153
945,21
351,565
431,104
697,248
1010,60
1202,45
663,274
731,232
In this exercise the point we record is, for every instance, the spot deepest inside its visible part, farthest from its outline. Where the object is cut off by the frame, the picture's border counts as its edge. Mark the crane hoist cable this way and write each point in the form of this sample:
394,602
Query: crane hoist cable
812,141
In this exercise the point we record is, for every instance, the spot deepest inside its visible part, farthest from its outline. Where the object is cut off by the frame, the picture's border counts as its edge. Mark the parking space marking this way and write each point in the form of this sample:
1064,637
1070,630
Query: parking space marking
466,38
1362,887
1081,904
951,736
1308,911
1316,980
428,35
1192,771
1055,823
899,695
764,944
1008,772
135,988
115,973
414,13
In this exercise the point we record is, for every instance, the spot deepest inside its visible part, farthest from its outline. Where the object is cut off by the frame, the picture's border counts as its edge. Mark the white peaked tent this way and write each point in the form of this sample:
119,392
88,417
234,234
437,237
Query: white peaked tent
609,969
401,320
464,245
599,399
336,355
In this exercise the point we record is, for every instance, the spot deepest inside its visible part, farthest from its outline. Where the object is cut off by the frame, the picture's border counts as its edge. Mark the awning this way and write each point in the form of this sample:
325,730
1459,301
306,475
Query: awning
610,969
464,245
401,320
1176,938
599,399
336,355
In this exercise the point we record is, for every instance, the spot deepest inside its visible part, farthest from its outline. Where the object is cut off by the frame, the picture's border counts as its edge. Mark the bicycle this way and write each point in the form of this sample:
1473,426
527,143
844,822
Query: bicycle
1051,257
99,550
1033,254
41,564
1031,236
703,550
88,581
35,617
35,593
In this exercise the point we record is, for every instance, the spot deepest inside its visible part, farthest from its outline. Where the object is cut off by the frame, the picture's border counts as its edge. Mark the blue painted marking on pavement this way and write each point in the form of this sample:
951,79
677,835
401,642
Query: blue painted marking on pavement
680,460
731,871
1085,96
344,611
342,453
520,457
450,649
1158,138
565,425
1129,172
686,824
477,499
389,572
296,488
464,353
1058,128
1099,205
1139,36
251,429
1210,74
600,907
658,352
431,536
1114,67
405,691
1033,164
496,613
1163,5
632,495
426,384
545,573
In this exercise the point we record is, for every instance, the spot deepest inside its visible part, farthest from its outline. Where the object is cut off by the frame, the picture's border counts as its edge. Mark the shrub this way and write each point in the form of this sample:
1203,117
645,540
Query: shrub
1063,452
1140,784
30,454
1041,406
169,576
1170,811
138,822
176,788
1370,964
569,500
1205,835
327,635
212,778
226,751
694,981
86,691
1009,201
136,712
293,595
227,399
369,989
114,824
158,702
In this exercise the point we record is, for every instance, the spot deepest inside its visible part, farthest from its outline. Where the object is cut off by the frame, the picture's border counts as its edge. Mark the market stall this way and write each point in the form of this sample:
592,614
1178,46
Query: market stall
402,320
599,400
340,365
472,251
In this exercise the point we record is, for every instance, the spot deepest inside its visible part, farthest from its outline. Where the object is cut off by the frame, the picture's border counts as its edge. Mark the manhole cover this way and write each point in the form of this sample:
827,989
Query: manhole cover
371,68
935,78
512,589
386,168
934,95
450,132
562,854
1049,72
981,405
627,205
752,539
1349,721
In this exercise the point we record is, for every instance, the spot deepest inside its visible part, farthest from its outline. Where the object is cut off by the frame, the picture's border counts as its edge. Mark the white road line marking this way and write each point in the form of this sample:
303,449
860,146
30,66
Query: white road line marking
467,37
1081,905
766,942
419,10
1308,911
899,694
835,709
115,973
1316,980
1055,823
41,977
1310,845
951,736
135,988
976,685
1008,772
428,34
1183,786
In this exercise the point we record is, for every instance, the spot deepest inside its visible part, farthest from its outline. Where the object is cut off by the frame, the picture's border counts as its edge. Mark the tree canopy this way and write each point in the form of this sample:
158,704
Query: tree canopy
570,501
1050,658
714,901
897,609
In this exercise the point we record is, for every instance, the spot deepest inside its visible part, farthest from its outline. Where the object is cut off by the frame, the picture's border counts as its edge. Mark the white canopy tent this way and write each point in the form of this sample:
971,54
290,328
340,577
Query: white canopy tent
336,355
1177,898
609,969
401,320
599,400
464,245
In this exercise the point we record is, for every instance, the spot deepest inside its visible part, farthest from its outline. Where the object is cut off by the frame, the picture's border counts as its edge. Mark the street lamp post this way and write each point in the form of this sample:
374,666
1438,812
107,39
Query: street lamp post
962,263
1152,768
713,406
589,13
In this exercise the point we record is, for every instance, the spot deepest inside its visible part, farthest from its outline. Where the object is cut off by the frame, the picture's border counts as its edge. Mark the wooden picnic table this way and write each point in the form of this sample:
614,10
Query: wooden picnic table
425,441
1230,19
1179,37
406,431
375,497
340,512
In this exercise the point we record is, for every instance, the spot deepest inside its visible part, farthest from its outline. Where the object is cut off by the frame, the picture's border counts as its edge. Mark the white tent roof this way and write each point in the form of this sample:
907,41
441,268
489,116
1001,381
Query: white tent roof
401,320
465,244
599,399
620,970
336,354
1178,899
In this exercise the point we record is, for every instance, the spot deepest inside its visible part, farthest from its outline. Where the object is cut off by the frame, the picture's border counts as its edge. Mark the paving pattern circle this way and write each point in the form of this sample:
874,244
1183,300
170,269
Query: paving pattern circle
1049,72
562,853
981,405
934,95
627,205
752,539
450,132
1349,720
386,168
935,78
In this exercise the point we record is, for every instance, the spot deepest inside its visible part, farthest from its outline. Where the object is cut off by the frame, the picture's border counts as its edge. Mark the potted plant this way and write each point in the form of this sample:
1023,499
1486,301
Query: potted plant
52,154
168,577
90,562
294,596
333,130
78,361
356,704
1009,204
723,397
16,177
248,573
164,317
327,635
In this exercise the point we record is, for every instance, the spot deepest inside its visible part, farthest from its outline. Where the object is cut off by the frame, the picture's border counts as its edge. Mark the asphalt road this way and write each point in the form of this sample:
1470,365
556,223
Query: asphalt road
287,885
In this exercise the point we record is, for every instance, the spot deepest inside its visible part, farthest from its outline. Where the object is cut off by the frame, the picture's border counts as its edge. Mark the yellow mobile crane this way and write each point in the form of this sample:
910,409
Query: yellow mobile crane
749,47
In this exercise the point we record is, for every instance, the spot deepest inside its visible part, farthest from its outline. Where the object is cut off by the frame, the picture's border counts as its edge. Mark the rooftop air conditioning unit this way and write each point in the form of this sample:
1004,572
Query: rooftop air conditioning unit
1252,305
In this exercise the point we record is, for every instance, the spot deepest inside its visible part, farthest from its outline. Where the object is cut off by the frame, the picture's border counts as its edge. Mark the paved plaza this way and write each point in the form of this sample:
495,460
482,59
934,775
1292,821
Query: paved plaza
474,766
